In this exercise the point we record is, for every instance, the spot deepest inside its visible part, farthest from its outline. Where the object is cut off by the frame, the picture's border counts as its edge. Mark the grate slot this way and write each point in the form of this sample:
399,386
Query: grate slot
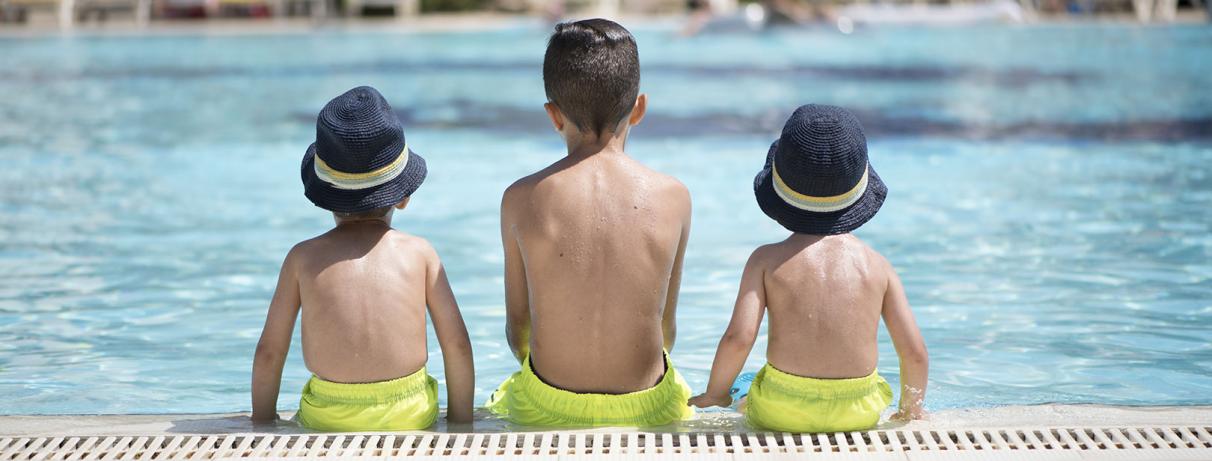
739,444
31,448
1085,437
1123,438
1047,439
984,440
1106,440
894,441
133,448
46,450
1066,439
877,440
943,441
1151,438
856,441
1192,440
1171,437
5,443
511,445
1016,440
1204,434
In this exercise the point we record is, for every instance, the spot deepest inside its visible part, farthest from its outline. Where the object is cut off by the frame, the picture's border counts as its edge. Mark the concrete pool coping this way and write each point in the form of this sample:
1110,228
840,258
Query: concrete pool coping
1030,416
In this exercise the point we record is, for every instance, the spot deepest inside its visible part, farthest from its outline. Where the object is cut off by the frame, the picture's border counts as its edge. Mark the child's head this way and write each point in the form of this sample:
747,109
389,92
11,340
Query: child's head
817,179
360,166
591,73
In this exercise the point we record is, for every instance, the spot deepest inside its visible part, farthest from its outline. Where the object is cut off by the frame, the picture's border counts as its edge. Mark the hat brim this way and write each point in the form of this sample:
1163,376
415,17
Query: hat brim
328,197
807,222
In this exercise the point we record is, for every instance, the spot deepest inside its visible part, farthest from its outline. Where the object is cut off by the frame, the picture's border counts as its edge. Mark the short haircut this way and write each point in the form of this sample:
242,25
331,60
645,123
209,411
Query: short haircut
592,73
368,214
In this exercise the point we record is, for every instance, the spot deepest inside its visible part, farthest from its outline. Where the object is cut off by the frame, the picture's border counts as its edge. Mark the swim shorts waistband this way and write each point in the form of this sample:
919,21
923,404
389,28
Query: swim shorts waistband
525,398
369,393
820,388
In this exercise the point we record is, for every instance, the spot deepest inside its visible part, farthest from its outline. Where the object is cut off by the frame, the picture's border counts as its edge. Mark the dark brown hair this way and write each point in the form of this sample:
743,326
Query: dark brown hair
592,73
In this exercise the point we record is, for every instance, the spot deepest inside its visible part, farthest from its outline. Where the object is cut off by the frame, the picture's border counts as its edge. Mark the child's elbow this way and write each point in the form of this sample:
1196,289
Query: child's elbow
458,347
267,353
737,340
916,355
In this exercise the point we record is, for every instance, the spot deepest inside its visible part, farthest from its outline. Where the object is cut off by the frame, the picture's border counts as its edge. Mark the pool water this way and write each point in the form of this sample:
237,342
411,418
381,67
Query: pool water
1050,189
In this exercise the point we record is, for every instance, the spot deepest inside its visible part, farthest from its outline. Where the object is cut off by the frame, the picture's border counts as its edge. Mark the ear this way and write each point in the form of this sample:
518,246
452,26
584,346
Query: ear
403,203
557,117
638,111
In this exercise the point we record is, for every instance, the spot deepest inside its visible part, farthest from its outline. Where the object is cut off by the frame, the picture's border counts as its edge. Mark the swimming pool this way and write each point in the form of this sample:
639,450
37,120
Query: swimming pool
1048,207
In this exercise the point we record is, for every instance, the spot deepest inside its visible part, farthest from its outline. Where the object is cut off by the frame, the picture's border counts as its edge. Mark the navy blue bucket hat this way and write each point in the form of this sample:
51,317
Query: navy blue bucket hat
360,160
817,179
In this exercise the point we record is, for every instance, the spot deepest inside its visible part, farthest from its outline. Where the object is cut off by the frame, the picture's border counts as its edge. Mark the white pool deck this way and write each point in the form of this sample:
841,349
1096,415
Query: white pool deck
1011,432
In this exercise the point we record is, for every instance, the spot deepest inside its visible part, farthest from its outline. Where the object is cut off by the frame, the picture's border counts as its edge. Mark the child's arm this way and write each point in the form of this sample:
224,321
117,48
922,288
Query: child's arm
452,337
275,343
910,348
669,315
517,295
738,339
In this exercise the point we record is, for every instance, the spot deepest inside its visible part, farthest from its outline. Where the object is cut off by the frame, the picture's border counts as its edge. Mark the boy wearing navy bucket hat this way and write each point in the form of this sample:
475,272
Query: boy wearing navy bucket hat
826,291
364,288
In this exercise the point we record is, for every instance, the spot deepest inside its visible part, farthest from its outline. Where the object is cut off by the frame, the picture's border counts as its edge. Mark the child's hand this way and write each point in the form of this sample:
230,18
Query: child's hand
704,401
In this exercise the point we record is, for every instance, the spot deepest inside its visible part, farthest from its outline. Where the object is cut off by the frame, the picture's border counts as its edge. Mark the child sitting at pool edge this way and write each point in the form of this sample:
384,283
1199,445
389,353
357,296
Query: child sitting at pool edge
364,288
593,253
826,291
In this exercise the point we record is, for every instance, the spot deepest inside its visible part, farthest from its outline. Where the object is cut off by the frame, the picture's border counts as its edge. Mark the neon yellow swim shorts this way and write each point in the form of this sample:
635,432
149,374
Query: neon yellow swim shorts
784,402
400,404
525,399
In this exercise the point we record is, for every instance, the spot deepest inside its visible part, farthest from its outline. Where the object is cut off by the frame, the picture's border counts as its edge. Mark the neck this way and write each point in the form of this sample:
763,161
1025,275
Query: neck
582,145
348,223
806,239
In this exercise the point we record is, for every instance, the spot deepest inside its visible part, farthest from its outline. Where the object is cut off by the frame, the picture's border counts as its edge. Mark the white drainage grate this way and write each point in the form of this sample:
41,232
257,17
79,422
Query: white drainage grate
1065,443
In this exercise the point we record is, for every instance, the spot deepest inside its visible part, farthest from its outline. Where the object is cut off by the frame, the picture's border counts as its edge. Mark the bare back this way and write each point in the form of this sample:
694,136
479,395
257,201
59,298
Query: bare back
824,296
599,238
362,289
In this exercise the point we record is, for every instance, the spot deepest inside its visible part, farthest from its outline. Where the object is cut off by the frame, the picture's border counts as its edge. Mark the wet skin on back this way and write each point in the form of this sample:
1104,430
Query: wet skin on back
593,250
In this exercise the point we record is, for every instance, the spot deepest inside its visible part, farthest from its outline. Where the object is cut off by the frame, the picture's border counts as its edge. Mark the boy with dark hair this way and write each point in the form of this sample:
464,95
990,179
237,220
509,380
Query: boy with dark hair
364,288
825,289
593,253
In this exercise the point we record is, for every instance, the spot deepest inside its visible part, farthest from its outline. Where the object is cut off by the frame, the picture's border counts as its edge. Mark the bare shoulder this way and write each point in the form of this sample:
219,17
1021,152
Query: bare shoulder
676,190
668,188
304,251
879,265
668,184
762,256
875,257
517,192
411,245
518,189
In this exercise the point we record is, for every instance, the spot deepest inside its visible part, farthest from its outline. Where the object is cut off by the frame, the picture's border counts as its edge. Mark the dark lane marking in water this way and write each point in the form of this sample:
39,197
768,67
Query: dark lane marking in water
876,123
1012,77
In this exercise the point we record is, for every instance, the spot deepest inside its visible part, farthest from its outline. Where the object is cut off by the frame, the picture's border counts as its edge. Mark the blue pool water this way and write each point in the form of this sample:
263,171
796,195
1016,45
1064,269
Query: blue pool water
1050,189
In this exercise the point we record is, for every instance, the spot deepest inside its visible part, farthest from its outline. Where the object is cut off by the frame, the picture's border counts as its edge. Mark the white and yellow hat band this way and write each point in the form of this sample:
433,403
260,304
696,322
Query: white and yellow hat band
819,204
359,181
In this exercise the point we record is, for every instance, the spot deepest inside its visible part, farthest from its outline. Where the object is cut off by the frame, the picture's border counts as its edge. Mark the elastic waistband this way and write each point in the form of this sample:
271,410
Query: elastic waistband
593,408
367,393
818,388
